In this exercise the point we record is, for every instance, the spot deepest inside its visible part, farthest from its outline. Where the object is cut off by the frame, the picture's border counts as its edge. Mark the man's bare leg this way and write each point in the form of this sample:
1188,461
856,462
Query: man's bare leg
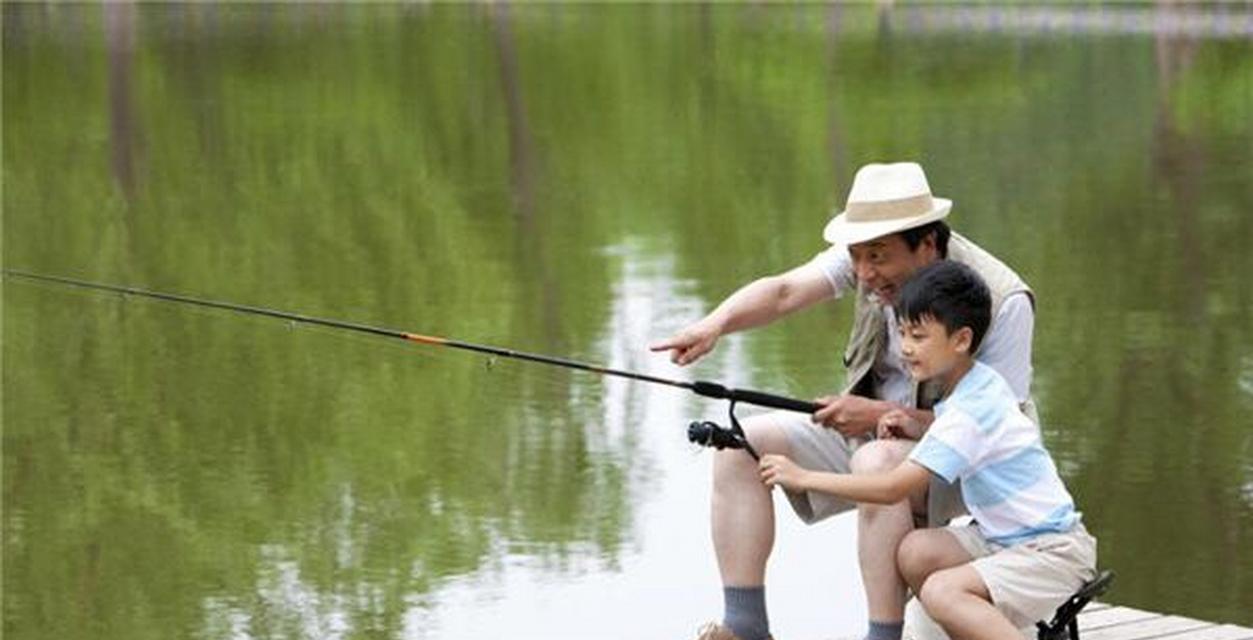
742,521
880,530
743,511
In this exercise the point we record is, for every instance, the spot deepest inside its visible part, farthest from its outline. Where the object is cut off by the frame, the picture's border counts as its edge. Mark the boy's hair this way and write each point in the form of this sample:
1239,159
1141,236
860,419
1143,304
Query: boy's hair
914,236
951,293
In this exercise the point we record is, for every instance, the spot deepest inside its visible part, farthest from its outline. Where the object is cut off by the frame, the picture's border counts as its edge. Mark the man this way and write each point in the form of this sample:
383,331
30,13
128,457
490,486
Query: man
891,226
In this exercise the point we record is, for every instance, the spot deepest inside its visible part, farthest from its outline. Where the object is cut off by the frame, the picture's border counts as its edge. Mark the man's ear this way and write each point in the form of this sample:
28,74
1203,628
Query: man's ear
928,247
963,338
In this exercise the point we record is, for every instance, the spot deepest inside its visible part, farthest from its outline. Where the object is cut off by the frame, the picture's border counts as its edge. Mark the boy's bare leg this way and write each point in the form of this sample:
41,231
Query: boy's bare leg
959,601
742,515
925,551
880,530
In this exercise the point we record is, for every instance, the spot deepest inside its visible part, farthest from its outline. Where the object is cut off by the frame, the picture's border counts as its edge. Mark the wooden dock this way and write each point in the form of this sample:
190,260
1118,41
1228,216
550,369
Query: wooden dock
1100,621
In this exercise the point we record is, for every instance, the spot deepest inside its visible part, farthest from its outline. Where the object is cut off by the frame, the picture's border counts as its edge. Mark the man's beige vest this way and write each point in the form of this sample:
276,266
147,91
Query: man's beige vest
869,338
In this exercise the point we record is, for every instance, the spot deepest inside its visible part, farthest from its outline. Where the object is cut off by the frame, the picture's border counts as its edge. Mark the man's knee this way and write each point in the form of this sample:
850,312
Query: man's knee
879,456
766,436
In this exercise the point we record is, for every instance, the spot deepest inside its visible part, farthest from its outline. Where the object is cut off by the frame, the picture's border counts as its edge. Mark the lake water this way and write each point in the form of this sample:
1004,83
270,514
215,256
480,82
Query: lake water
578,181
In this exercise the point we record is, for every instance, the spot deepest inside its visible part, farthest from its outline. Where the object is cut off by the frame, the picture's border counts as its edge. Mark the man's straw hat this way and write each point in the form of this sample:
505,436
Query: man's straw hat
885,198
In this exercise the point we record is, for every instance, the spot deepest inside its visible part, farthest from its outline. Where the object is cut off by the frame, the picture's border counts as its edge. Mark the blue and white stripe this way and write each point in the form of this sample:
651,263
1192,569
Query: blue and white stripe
1009,482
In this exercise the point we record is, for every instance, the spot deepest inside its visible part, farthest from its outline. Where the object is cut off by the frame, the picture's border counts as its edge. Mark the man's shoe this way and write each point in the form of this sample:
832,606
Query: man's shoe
715,631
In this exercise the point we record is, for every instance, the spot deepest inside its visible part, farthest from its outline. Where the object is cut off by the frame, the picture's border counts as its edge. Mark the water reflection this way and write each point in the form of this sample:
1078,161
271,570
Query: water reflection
521,146
120,25
574,180
1164,18
667,565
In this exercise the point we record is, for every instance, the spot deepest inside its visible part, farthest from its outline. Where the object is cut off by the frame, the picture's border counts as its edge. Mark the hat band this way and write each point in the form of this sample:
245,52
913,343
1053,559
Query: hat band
881,210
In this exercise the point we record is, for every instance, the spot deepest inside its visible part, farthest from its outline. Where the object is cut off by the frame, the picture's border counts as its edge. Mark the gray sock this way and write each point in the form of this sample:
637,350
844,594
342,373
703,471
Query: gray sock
885,630
746,612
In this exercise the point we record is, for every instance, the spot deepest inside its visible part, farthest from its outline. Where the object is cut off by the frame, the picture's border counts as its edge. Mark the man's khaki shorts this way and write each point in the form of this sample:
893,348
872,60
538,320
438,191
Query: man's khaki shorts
1029,580
818,448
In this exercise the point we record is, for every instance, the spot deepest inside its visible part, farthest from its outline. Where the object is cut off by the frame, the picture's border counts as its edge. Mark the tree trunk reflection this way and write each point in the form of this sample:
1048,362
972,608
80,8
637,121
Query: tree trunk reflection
120,36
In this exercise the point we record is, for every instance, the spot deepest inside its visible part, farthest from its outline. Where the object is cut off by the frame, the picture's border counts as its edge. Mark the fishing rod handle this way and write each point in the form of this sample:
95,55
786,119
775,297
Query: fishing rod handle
759,398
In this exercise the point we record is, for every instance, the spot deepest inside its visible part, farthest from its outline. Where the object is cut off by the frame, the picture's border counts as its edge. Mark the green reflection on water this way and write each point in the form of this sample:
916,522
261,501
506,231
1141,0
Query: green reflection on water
462,171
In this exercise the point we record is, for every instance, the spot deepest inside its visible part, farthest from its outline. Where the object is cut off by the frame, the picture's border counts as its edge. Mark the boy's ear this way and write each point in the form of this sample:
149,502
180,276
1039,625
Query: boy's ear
962,339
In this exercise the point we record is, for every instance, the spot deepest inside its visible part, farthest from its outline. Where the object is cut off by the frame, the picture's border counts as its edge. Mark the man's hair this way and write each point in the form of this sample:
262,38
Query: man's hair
914,236
951,293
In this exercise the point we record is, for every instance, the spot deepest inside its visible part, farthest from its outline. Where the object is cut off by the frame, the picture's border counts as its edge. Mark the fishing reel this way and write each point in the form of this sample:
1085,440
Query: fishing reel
711,434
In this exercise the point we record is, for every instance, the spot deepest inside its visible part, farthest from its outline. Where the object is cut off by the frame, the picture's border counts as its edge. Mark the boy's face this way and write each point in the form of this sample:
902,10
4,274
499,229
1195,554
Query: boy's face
929,350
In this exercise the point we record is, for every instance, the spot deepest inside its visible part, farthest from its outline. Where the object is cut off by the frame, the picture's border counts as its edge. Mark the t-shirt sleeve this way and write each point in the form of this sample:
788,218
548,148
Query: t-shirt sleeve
1007,345
948,448
837,267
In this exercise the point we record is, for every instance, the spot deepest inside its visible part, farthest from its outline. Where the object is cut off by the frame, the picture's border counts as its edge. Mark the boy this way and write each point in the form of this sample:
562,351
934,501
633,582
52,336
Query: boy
1027,550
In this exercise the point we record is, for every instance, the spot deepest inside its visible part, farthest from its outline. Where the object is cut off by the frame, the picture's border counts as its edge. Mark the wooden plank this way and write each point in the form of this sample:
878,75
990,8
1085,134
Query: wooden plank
1102,621
1112,616
1223,632
1149,628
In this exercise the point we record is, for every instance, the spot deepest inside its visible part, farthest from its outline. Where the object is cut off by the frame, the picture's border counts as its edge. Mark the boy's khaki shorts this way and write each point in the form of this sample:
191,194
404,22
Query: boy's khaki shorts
821,449
1029,580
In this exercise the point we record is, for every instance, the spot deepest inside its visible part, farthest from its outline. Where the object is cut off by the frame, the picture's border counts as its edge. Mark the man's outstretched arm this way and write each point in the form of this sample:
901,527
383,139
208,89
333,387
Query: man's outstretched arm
758,303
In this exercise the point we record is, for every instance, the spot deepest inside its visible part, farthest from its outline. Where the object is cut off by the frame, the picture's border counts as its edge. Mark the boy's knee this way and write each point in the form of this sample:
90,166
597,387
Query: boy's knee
937,594
877,457
915,558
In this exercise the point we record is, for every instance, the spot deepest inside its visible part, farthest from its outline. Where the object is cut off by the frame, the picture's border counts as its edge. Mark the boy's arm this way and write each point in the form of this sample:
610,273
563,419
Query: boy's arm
877,488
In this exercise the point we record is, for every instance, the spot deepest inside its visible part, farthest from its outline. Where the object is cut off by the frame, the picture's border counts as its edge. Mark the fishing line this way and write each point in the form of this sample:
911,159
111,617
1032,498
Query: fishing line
706,433
513,383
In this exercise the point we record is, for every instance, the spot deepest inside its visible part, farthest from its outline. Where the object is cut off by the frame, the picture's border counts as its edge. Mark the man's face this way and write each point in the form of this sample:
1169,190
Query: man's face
884,264
929,350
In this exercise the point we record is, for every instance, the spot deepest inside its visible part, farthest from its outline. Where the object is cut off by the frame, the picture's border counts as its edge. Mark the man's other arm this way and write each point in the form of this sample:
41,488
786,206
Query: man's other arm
1007,346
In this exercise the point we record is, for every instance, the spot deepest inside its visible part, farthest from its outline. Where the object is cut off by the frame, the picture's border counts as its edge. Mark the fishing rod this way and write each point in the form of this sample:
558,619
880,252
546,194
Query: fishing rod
704,433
